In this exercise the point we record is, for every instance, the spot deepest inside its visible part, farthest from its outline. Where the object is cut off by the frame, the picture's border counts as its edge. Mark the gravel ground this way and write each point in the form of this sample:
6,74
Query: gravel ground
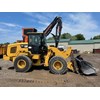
41,77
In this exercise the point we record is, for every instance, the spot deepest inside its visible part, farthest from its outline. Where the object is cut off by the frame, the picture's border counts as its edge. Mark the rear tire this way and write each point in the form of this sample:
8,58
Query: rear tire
22,63
58,65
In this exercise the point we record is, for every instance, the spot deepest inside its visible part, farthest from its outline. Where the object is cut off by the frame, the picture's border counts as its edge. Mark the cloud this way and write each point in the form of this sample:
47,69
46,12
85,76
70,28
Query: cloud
9,24
10,32
41,18
10,36
81,23
73,23
84,21
4,30
29,13
43,23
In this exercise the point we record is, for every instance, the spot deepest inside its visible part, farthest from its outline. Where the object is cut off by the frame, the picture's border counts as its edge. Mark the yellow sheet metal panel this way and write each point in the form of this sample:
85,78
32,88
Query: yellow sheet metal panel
36,56
64,54
6,57
70,66
47,57
15,49
13,59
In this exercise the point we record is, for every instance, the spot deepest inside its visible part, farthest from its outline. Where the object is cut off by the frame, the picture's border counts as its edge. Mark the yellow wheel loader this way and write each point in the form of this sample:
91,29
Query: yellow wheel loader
35,52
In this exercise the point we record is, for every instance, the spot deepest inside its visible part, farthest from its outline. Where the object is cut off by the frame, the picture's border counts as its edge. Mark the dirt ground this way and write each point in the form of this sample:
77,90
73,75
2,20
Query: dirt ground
41,77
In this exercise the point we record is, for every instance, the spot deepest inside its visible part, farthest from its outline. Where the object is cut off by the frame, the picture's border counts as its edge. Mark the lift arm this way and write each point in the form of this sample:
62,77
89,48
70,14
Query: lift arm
47,31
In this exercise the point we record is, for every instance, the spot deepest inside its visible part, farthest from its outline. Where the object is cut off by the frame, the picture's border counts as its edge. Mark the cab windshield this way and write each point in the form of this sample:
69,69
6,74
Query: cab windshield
34,40
37,39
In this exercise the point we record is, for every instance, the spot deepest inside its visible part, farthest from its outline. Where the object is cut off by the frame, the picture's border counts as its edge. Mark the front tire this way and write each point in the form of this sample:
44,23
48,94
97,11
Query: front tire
22,63
58,65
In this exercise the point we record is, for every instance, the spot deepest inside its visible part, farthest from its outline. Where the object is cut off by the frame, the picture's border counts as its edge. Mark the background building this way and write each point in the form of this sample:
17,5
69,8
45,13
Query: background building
79,45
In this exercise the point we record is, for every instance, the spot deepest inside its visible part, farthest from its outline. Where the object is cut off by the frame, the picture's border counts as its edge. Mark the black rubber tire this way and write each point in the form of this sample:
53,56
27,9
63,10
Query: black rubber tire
28,63
62,60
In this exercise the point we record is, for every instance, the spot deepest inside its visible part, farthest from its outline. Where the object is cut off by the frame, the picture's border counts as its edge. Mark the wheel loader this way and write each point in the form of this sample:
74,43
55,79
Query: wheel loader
33,51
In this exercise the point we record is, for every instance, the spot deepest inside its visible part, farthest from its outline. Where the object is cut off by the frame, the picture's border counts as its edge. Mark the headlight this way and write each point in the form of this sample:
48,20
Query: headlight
24,46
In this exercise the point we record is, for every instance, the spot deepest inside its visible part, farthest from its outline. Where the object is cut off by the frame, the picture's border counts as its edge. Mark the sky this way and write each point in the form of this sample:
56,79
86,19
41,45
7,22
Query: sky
11,23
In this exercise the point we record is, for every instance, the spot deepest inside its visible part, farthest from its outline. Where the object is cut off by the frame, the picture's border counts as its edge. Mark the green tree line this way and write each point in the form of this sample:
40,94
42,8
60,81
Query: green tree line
75,37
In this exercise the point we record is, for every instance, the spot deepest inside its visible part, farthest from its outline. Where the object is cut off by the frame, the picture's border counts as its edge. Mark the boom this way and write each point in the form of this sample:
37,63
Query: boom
48,30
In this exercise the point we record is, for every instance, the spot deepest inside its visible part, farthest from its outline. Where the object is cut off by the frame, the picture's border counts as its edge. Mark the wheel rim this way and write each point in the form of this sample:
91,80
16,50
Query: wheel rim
21,64
57,65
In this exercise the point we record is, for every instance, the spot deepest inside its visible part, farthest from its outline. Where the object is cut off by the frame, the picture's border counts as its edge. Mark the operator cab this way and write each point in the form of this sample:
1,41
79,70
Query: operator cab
37,43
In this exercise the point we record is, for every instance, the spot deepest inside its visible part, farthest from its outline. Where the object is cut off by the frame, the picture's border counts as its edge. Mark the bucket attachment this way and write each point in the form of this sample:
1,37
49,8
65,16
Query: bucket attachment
84,67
